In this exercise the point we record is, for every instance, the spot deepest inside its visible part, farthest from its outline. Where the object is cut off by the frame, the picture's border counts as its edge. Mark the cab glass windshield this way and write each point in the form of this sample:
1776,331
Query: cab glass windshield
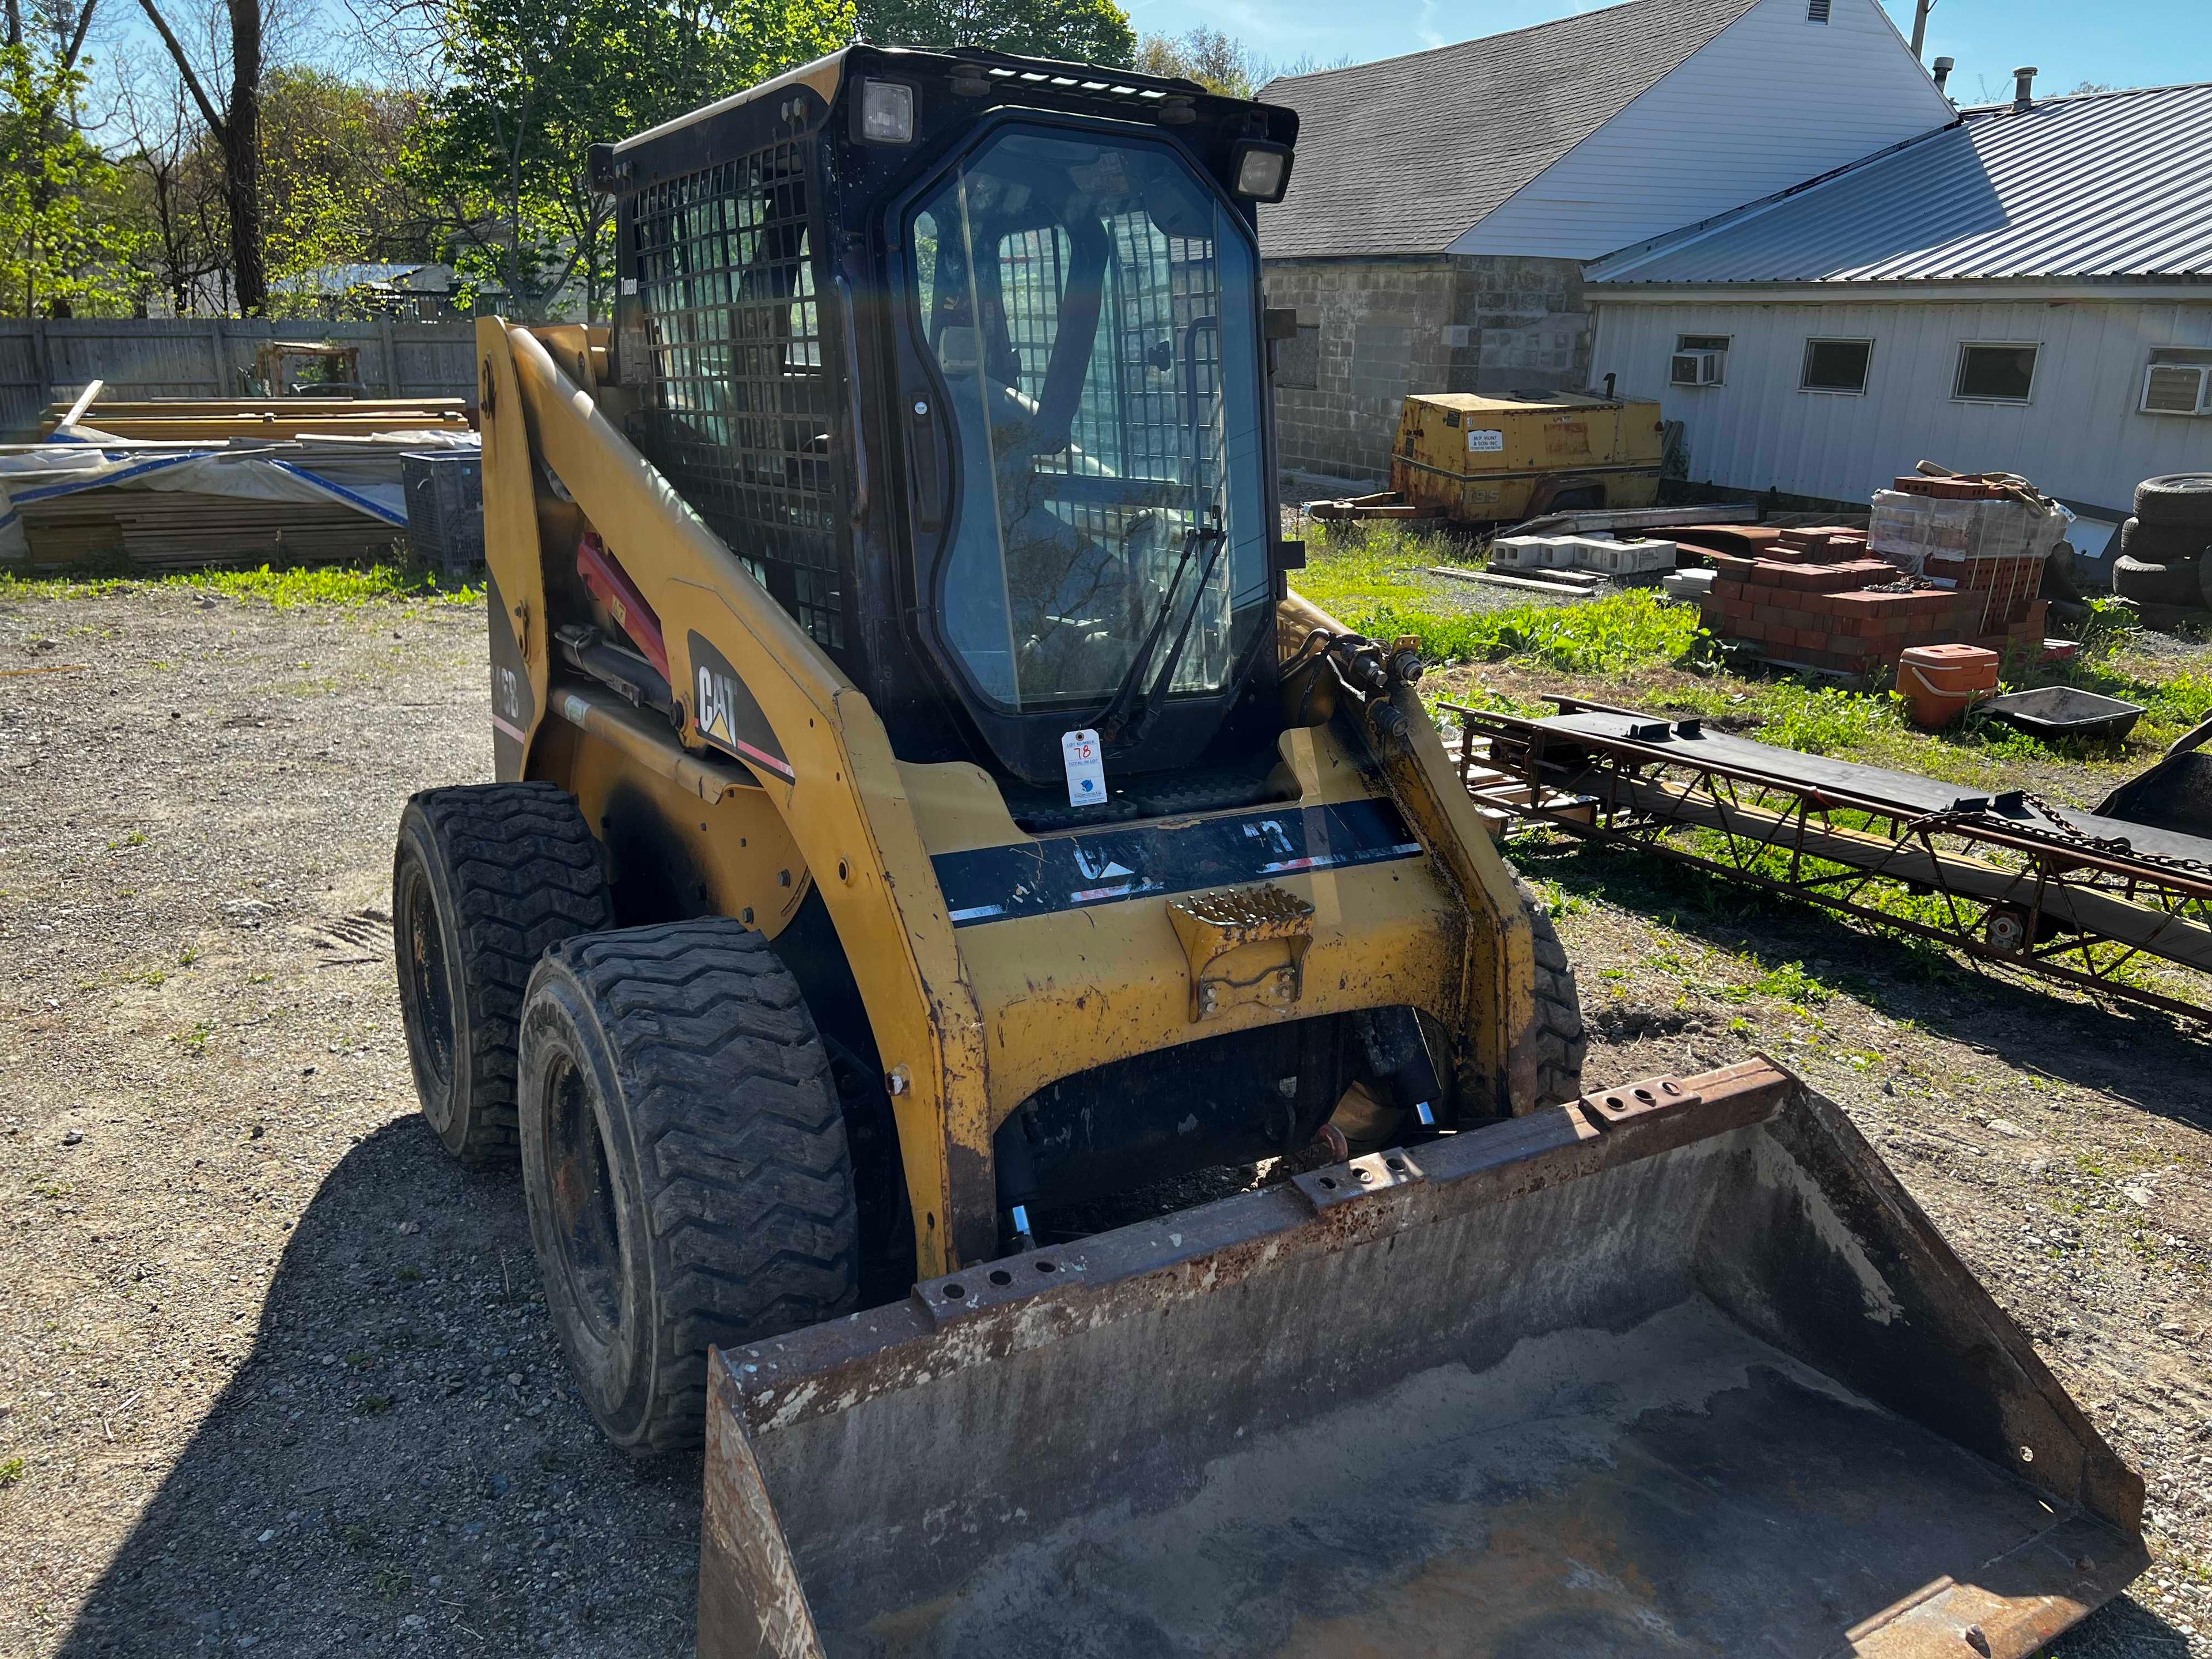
1092,308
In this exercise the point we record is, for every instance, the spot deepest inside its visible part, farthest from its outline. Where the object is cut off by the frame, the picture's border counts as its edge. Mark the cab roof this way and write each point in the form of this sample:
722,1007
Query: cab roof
824,76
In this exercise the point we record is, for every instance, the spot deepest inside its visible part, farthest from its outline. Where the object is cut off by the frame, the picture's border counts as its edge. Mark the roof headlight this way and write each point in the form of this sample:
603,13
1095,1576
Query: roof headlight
886,113
1263,169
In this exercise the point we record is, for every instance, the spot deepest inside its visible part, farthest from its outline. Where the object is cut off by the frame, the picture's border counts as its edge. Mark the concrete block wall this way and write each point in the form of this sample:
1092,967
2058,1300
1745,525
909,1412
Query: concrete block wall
1384,328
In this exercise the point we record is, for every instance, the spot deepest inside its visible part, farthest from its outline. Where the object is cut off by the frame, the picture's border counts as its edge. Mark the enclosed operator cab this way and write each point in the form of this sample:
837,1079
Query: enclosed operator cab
983,403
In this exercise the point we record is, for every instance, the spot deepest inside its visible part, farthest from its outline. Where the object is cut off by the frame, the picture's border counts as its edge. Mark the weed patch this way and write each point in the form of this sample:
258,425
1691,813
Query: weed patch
284,589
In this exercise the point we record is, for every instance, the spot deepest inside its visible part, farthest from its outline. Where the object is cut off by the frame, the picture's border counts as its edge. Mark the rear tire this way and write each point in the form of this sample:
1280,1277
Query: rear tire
684,1158
1562,1040
2157,584
486,878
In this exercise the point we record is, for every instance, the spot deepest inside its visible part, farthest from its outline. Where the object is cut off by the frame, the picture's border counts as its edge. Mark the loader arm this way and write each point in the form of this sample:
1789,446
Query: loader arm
1498,1003
844,800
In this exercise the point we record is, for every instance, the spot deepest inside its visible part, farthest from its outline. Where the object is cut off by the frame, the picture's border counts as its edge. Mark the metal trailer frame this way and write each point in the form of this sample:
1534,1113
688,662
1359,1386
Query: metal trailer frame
2021,883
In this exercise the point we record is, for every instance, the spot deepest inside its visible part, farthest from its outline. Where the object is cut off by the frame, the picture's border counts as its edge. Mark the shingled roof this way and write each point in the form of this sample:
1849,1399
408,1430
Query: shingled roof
1406,154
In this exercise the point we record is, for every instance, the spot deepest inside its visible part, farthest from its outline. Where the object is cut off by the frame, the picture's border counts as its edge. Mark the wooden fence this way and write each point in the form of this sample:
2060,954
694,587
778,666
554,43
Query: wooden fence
42,360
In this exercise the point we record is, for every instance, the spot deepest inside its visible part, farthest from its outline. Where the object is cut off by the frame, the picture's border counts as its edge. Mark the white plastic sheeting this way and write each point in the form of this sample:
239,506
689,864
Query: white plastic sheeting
362,474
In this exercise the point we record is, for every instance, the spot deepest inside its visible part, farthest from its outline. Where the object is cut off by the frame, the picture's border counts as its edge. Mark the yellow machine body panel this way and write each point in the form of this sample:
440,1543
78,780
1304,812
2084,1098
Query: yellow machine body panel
970,1019
1478,459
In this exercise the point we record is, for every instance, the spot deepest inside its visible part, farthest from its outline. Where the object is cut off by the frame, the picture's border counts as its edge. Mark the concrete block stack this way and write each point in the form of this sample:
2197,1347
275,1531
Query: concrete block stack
1607,554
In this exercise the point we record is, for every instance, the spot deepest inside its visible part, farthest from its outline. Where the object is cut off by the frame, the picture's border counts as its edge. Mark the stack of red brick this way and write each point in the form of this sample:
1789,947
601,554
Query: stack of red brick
1800,599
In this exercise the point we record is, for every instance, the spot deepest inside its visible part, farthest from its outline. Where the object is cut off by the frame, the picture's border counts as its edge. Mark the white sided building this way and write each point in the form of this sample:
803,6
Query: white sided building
1442,203
2028,289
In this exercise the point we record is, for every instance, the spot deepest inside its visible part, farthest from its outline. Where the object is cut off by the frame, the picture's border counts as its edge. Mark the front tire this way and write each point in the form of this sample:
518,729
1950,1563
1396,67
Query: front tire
1562,1040
684,1159
486,878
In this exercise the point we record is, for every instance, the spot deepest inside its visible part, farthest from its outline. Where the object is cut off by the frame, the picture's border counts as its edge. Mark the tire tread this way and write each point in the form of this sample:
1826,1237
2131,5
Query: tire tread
741,1143
526,873
1562,1040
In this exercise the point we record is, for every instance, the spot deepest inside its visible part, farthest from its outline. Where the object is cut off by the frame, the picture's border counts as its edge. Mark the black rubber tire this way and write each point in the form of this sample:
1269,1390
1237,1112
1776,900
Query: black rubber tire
2176,498
485,879
1563,1041
684,1159
2205,583
2157,584
2164,543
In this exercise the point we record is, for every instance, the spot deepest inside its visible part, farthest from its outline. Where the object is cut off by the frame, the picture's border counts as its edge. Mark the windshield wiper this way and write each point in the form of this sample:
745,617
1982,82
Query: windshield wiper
1113,720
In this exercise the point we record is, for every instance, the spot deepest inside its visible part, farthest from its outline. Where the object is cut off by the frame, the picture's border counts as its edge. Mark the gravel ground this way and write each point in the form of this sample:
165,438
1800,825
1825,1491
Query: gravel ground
274,1373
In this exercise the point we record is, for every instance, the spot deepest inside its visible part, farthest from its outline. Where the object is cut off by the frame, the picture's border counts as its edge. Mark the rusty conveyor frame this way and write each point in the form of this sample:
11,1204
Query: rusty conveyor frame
2083,911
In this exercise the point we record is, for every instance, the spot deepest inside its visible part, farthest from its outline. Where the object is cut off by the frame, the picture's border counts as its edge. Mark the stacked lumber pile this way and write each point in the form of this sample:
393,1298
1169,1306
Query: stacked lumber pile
219,420
159,530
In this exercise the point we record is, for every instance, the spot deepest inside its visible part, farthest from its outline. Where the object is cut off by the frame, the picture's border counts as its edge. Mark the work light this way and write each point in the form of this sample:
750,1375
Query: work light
1263,170
886,113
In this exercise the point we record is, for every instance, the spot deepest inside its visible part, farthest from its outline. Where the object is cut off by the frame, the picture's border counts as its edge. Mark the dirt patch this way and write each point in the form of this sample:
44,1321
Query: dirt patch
279,1374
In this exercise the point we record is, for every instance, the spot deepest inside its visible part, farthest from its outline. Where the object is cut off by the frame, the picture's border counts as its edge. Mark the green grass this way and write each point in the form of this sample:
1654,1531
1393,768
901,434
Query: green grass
1366,580
323,584
11,1471
1350,569
1654,655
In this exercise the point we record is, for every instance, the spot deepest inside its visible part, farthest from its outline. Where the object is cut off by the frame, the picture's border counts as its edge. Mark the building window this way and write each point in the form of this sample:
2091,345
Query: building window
1816,11
1298,360
1995,373
2178,381
1698,360
1835,365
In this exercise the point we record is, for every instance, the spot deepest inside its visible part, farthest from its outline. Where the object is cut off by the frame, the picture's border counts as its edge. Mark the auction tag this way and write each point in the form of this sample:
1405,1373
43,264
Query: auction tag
1086,767
1485,442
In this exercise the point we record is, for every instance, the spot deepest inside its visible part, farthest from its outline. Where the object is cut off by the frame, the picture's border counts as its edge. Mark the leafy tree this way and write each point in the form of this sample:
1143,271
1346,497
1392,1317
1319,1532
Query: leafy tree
1078,31
534,84
61,245
332,194
1213,59
1220,62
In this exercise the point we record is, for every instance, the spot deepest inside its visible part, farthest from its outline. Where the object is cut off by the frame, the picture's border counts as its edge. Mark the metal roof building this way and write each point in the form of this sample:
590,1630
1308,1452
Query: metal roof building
2100,186
1442,202
2028,289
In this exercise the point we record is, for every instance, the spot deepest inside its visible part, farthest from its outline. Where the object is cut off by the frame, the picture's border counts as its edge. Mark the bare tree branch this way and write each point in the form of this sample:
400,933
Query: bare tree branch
216,123
77,40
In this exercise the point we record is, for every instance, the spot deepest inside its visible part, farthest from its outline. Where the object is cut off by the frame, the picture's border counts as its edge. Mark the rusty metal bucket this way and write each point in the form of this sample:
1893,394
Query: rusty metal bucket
1676,1369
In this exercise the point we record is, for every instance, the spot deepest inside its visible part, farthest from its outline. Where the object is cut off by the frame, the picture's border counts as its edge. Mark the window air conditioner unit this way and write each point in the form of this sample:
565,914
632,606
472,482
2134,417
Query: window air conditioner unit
2177,389
1697,367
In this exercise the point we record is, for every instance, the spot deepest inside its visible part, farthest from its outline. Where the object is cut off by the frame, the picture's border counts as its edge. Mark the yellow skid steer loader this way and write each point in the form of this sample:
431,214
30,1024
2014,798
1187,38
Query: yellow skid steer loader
932,844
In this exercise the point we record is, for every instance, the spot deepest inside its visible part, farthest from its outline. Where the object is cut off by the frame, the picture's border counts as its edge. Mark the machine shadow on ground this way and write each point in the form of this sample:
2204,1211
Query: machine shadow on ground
399,1462
2133,1053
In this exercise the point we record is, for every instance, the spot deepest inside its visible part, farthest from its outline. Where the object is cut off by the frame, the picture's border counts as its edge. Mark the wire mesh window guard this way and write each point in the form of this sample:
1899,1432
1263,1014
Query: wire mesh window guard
736,411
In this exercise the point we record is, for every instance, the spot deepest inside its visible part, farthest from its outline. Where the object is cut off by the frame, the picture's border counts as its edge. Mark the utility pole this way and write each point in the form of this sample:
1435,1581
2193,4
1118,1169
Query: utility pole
1920,11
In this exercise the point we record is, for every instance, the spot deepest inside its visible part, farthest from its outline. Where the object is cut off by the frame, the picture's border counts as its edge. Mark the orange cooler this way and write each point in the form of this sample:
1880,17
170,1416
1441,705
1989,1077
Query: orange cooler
1942,682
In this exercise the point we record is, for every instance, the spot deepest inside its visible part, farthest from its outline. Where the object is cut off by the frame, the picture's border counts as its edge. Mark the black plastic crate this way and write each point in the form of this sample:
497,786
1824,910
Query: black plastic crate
445,509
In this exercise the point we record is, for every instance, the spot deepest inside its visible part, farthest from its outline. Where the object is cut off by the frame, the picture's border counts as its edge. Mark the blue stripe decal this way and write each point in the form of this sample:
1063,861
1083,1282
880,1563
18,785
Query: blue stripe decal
1119,862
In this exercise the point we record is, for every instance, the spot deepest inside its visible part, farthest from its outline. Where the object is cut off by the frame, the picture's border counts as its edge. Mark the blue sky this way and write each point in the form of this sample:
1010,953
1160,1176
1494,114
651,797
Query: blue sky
2124,42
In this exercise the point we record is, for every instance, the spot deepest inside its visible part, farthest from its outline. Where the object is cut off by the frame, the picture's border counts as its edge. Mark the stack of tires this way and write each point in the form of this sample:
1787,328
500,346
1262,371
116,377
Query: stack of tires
2162,549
